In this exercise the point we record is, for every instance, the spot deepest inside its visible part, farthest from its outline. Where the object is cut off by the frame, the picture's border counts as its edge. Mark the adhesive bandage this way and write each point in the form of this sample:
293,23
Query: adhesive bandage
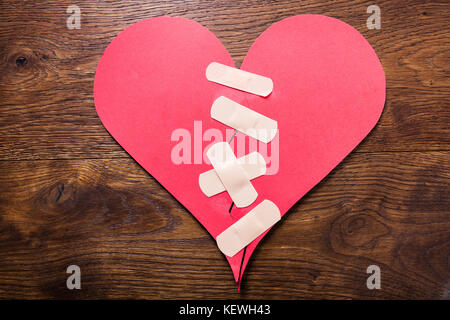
239,79
231,174
248,228
253,164
244,119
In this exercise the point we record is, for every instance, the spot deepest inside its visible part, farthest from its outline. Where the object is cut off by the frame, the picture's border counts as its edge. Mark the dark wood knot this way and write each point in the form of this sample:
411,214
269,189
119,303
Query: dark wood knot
21,62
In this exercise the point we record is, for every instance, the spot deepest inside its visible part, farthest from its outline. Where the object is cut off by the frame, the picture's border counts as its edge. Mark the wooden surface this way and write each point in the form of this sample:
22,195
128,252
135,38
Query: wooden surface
69,194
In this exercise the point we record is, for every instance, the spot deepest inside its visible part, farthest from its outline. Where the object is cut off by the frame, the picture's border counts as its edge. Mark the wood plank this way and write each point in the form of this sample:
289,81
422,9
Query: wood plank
46,101
133,240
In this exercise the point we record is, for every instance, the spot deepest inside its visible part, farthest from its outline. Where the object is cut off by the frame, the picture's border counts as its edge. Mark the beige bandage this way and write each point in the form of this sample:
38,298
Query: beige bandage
253,164
248,228
244,119
239,79
231,174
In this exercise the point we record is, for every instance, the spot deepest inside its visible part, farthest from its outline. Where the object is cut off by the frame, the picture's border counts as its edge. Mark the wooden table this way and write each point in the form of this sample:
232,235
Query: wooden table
69,194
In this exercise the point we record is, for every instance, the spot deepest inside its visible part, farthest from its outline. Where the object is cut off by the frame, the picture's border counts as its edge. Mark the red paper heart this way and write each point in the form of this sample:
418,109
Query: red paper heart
329,92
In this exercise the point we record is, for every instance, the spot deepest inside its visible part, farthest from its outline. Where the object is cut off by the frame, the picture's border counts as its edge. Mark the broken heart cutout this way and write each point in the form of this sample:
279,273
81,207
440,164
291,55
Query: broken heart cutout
152,95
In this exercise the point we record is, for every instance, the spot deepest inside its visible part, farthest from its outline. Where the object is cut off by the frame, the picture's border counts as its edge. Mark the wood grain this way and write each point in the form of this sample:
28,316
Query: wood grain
132,239
70,195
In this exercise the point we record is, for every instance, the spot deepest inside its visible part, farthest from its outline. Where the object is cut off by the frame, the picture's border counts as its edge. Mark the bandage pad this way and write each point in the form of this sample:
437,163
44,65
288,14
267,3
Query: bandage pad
231,174
244,119
239,79
248,228
253,164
